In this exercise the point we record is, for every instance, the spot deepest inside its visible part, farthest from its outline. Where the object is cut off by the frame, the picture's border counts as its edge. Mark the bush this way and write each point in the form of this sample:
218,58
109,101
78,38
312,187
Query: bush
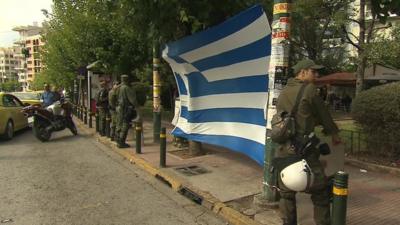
378,112
141,92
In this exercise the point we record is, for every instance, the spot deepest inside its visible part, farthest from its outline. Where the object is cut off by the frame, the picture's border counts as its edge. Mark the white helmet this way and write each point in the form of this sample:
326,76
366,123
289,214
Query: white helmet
297,176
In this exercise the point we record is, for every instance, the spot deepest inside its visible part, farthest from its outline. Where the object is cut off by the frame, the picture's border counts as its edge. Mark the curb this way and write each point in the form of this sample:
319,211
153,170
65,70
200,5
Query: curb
177,184
373,167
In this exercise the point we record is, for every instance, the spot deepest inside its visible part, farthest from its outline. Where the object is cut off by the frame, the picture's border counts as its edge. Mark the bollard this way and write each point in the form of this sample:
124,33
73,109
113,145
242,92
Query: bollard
138,131
339,203
97,122
85,116
90,119
108,121
163,147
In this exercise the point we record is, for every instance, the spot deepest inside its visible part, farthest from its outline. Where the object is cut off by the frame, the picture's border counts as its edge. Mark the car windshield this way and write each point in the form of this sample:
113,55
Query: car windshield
26,95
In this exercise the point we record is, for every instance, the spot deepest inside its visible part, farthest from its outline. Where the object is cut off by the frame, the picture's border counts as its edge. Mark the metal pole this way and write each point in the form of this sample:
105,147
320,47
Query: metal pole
163,147
351,142
85,115
89,91
81,114
138,131
277,80
156,93
339,204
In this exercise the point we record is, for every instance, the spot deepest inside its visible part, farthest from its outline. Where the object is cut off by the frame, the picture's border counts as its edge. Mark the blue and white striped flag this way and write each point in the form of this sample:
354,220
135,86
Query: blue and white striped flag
222,77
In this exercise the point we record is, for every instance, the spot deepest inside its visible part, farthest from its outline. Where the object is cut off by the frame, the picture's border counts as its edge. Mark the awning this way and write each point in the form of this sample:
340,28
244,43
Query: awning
337,79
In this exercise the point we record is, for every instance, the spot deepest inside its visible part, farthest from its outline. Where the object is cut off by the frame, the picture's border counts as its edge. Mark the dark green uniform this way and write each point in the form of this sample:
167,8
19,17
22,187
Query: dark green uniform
102,108
311,112
113,103
126,102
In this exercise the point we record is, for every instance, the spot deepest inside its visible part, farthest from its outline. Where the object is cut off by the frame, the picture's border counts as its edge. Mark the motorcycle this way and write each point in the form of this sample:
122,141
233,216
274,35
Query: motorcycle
47,120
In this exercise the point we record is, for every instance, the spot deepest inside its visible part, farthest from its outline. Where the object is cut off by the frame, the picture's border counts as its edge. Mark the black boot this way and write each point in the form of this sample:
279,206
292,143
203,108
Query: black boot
121,140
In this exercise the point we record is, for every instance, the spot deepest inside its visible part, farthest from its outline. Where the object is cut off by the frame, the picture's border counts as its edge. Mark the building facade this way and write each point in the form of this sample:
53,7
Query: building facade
30,43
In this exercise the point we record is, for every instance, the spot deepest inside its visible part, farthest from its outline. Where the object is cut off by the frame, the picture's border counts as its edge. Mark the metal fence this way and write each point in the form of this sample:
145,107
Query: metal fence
358,142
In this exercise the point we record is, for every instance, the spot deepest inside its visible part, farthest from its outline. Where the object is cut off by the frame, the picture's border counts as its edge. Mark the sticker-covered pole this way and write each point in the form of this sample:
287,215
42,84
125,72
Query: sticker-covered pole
278,71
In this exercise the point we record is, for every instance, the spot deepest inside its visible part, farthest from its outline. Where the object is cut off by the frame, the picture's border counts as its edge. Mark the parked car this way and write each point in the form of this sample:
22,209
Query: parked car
11,116
29,98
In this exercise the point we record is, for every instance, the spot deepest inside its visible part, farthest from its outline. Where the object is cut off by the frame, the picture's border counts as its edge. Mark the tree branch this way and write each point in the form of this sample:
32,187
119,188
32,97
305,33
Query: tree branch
349,39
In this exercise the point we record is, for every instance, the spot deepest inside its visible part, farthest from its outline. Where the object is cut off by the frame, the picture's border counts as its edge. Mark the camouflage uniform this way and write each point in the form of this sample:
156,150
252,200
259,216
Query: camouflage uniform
102,107
311,112
126,100
113,103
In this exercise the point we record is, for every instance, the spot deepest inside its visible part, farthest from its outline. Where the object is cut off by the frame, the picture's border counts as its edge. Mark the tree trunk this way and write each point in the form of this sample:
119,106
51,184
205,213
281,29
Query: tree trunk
361,56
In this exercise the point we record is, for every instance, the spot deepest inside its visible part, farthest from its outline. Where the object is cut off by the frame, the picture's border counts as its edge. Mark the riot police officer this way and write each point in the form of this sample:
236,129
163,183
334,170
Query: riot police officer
311,112
128,109
102,106
113,103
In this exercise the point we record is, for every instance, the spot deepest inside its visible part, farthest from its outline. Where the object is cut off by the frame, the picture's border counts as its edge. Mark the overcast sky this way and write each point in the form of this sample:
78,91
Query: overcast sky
19,13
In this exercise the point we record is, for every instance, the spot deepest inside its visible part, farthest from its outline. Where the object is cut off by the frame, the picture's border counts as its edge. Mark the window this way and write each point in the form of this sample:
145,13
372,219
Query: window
11,101
28,41
29,62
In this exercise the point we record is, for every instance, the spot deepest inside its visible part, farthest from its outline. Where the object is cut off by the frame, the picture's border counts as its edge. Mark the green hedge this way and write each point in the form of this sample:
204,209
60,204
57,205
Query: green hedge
377,110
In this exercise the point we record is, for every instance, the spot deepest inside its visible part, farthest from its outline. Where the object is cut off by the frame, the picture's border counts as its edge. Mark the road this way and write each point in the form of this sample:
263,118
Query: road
76,180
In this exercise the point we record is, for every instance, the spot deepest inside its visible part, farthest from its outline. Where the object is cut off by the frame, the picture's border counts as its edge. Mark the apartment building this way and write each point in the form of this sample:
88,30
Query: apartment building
33,44
30,43
7,65
379,28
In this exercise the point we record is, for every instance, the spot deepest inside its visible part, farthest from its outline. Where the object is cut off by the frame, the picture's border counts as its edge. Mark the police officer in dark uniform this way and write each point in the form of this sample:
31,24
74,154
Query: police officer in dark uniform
113,103
102,106
311,112
127,110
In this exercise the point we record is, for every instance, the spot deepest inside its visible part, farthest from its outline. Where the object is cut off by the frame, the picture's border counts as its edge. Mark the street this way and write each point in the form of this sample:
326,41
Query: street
76,180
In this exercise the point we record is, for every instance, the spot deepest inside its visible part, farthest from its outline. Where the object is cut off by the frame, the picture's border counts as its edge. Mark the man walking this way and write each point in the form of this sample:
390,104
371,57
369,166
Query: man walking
127,110
311,112
113,103
102,106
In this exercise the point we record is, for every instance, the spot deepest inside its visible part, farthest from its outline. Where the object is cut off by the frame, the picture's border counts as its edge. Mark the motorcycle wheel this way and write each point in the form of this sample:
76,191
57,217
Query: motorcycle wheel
39,130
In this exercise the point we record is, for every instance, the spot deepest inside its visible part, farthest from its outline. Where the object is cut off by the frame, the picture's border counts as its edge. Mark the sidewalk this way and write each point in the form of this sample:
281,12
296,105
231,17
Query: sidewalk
225,182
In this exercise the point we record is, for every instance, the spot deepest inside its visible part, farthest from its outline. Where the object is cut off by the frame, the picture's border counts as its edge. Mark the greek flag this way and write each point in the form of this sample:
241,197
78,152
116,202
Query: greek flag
222,78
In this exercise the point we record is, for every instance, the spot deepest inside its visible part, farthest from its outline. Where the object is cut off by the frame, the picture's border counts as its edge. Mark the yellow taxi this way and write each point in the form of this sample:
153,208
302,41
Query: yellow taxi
31,98
11,117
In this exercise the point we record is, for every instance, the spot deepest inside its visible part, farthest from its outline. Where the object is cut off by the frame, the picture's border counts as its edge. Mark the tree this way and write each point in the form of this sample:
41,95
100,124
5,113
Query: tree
316,34
380,10
385,50
10,86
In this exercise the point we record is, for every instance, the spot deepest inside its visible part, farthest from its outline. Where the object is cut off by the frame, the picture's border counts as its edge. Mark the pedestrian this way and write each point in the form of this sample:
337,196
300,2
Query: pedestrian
47,96
102,106
311,112
346,101
128,109
57,95
113,103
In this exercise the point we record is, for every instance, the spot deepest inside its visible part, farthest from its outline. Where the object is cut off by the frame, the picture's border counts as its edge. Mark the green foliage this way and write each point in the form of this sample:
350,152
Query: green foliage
316,31
39,81
10,86
142,91
377,112
385,50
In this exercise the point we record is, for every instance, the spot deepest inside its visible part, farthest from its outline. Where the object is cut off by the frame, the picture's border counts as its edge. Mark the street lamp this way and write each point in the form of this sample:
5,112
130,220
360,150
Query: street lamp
46,13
